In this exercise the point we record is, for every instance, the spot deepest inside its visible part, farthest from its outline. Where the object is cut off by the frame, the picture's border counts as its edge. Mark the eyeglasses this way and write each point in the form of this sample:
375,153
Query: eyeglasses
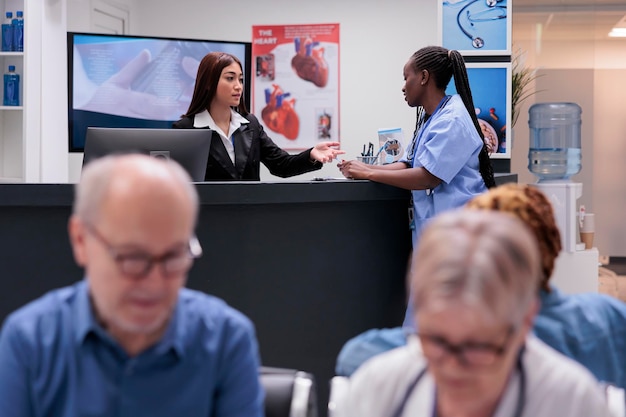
138,265
468,354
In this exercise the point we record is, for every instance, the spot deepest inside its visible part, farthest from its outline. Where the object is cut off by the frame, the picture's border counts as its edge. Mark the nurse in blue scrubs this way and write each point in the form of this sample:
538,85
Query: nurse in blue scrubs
446,164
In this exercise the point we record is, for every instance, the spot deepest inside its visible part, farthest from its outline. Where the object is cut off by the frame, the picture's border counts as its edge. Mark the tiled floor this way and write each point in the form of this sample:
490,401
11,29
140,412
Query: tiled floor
612,278
617,265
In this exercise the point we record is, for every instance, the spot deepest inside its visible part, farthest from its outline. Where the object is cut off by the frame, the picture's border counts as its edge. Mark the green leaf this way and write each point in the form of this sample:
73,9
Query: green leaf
521,77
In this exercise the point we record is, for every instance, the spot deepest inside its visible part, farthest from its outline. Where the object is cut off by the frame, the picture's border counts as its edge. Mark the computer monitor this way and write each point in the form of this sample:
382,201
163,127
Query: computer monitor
189,147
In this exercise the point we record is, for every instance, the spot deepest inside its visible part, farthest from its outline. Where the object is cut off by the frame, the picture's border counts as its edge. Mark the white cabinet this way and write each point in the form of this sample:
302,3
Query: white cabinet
12,118
21,129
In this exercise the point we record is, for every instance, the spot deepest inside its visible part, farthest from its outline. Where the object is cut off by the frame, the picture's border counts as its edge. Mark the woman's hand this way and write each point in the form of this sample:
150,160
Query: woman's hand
355,170
326,151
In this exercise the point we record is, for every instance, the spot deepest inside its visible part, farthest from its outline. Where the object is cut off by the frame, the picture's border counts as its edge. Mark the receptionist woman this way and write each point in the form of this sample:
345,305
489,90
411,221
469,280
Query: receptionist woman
239,142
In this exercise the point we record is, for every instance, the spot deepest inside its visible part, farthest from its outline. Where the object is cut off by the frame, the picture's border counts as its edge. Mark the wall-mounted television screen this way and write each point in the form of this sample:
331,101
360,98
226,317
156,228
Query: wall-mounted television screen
135,81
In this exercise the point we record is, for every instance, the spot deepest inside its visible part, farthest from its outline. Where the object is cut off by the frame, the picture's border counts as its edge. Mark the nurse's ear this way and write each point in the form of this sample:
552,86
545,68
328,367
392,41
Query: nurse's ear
425,77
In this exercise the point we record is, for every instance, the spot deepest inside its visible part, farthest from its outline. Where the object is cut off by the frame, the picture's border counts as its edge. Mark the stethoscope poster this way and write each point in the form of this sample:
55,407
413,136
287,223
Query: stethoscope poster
295,83
491,91
476,27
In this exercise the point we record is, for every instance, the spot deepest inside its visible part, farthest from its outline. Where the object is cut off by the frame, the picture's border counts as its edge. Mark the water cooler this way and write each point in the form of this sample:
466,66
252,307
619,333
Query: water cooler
554,156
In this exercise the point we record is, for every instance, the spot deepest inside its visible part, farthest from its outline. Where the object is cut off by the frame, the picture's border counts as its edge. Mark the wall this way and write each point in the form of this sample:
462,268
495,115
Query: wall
375,42
608,190
591,73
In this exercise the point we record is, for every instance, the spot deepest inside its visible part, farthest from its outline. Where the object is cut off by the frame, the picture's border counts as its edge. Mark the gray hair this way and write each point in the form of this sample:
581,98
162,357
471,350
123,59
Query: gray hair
489,259
98,175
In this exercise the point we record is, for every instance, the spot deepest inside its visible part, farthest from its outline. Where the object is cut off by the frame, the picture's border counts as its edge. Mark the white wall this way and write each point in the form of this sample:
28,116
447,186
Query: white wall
593,74
376,39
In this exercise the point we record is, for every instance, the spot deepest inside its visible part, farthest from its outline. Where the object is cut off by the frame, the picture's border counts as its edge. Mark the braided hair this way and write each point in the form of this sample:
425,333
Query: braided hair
442,64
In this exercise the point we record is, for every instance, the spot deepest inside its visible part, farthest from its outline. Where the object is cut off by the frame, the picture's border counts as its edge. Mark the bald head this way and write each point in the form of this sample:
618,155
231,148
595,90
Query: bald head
131,179
132,209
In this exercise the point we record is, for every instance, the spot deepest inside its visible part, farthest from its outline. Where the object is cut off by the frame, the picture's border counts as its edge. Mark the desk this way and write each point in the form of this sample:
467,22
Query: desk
311,263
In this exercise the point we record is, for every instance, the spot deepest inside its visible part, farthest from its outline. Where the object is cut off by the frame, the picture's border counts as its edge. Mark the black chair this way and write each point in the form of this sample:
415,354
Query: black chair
288,392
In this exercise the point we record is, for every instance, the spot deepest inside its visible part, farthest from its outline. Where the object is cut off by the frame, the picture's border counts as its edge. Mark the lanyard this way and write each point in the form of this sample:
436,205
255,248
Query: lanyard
521,394
422,121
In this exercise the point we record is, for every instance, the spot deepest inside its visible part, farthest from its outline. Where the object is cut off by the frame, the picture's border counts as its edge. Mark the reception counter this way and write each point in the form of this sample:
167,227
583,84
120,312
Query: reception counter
311,263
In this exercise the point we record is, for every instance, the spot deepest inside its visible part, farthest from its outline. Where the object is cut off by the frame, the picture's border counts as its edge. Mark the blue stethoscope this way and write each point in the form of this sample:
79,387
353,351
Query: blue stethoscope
521,392
492,12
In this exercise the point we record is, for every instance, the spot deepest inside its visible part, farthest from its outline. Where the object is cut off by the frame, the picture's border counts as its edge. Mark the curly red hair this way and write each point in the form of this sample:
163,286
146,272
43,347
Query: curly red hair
532,206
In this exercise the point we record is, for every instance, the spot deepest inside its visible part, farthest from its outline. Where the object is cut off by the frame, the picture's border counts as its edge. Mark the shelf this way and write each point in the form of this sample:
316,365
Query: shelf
10,180
15,120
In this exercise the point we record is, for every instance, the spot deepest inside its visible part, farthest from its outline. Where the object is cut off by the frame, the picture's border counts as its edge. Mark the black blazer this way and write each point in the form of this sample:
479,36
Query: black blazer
252,146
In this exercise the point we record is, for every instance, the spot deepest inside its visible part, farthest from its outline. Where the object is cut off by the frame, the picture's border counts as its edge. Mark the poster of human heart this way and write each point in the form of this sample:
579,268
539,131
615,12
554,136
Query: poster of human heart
295,77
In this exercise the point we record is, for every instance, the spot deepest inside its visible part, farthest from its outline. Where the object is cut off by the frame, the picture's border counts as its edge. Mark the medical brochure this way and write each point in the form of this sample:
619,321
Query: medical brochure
391,145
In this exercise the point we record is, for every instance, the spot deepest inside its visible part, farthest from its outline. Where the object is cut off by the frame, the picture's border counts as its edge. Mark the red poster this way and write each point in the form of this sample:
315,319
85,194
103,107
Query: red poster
295,77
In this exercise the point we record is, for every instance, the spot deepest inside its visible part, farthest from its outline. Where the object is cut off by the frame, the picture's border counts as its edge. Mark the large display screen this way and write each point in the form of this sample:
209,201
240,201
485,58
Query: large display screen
135,81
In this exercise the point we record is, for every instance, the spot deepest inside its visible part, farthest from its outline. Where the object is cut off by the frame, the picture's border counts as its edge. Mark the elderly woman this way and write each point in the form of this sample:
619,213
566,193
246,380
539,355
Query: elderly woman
587,327
474,280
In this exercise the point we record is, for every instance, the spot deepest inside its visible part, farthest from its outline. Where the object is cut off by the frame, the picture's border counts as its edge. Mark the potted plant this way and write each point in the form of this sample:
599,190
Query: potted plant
522,76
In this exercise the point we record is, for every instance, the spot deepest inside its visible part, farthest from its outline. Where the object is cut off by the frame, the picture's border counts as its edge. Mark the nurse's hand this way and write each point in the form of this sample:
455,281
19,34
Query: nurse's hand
355,170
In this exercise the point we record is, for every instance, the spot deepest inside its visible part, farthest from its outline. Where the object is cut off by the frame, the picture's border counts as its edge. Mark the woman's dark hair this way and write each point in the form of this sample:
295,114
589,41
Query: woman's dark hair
442,64
209,73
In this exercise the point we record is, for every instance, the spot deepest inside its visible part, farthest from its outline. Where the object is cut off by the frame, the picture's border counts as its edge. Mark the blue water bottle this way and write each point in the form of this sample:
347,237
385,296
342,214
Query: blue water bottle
554,148
7,33
11,88
18,31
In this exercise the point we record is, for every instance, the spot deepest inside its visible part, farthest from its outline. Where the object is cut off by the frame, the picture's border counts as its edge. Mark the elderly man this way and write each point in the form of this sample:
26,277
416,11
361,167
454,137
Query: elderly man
129,340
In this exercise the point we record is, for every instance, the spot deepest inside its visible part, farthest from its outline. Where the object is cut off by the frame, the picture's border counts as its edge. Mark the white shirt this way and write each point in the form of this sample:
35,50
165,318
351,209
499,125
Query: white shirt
204,119
555,386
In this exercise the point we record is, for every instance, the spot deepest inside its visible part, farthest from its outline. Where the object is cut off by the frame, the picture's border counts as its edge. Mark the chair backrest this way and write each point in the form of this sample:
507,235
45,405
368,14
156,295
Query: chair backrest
339,386
289,392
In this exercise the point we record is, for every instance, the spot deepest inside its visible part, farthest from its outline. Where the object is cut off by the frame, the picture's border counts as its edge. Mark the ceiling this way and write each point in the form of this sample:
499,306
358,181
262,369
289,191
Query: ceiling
566,19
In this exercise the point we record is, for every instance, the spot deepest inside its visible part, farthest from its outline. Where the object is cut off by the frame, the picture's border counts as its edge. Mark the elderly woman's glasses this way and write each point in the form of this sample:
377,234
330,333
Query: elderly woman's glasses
468,354
138,265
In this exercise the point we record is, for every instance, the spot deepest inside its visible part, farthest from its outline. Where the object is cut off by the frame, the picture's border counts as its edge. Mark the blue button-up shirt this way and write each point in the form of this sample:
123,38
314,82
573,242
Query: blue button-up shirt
589,328
56,360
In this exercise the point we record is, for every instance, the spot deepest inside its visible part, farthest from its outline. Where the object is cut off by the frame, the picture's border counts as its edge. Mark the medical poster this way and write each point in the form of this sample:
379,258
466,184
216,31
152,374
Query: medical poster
491,90
476,27
295,83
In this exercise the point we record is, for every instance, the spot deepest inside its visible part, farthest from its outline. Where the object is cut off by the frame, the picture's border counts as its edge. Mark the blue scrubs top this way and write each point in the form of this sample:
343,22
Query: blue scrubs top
447,146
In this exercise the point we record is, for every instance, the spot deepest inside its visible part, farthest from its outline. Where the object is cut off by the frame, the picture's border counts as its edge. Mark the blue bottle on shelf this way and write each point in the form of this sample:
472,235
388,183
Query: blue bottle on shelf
18,31
11,88
7,33
554,149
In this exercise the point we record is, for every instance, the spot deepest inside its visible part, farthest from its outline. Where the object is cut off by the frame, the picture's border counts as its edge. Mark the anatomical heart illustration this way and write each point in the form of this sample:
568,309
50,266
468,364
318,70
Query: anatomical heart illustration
295,88
279,113
309,62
